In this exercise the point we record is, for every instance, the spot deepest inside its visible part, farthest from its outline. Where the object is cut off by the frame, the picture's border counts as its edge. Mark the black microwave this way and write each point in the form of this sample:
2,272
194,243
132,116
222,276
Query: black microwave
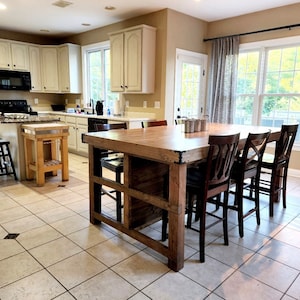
15,80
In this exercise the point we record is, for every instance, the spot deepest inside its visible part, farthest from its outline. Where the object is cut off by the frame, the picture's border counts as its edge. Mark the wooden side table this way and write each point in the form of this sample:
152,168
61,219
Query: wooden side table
36,136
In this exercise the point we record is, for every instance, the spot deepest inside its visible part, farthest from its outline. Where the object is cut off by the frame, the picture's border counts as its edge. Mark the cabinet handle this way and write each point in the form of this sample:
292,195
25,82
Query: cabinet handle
122,86
126,86
8,65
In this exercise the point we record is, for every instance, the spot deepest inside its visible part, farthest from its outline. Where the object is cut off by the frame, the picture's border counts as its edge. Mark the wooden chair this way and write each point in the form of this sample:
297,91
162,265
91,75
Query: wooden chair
146,124
210,180
114,162
6,163
248,166
276,167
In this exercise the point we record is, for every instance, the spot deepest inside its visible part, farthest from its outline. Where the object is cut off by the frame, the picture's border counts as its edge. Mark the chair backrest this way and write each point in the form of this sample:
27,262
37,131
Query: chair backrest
252,155
146,124
220,159
285,144
106,127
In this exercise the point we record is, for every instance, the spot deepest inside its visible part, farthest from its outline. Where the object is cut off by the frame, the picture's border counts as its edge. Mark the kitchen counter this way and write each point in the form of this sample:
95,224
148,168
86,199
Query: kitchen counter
30,119
106,117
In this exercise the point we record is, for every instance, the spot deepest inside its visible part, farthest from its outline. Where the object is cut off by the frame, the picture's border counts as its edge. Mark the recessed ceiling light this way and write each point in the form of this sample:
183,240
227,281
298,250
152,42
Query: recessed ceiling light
44,30
62,3
2,6
109,7
85,24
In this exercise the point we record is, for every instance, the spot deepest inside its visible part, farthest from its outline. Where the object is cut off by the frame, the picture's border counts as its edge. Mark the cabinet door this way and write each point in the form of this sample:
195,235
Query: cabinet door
63,68
72,137
35,68
133,60
116,62
5,59
20,57
49,69
81,147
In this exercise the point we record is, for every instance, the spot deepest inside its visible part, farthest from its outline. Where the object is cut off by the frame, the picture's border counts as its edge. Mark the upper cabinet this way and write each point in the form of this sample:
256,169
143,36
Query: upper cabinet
133,60
14,56
49,68
35,68
69,68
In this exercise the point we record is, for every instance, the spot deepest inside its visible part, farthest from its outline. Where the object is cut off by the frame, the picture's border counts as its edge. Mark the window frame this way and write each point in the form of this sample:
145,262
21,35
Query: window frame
262,47
84,52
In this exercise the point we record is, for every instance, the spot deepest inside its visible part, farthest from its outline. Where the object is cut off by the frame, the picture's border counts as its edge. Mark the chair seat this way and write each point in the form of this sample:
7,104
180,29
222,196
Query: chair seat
114,163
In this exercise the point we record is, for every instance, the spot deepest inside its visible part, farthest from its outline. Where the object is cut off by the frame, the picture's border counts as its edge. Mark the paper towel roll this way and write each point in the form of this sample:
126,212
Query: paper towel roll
117,107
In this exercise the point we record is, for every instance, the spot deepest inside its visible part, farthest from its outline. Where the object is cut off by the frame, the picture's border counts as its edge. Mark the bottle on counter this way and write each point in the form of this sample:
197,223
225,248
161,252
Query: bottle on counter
99,108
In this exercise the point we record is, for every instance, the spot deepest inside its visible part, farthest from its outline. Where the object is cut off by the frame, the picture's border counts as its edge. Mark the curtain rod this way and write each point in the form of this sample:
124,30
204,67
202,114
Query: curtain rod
254,32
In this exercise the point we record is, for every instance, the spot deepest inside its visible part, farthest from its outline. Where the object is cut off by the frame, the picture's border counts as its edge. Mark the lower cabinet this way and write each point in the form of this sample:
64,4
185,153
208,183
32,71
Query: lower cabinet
77,126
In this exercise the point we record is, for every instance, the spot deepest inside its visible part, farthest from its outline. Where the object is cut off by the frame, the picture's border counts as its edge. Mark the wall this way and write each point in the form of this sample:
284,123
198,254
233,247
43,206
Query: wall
282,16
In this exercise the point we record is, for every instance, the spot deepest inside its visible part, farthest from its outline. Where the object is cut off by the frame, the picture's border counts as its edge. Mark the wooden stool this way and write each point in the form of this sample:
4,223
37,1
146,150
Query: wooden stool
6,163
36,136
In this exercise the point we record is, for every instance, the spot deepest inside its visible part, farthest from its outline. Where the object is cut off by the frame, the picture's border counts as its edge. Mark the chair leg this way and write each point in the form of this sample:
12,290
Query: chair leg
284,180
189,210
256,201
225,221
202,215
164,234
272,193
119,199
239,202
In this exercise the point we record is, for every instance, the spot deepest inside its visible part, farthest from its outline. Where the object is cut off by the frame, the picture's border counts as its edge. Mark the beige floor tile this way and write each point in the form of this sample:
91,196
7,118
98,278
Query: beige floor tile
209,274
294,290
13,214
3,233
9,247
23,224
17,267
43,205
112,251
55,251
40,285
71,224
232,255
55,214
90,236
68,197
106,285
140,269
289,236
6,203
270,272
282,252
76,269
65,296
79,206
240,286
29,198
38,236
176,287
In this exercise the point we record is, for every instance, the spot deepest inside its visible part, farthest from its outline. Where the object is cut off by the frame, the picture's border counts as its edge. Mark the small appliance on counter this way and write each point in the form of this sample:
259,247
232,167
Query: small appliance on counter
16,109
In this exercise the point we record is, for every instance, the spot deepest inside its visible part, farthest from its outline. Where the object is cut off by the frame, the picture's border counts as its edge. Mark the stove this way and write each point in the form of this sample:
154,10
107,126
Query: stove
15,109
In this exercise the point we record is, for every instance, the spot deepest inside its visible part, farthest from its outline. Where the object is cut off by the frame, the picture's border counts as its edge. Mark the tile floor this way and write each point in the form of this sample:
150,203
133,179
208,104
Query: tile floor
58,254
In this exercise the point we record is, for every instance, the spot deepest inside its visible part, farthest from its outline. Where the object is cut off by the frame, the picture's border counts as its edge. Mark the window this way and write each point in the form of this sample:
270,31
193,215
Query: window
268,86
190,84
96,74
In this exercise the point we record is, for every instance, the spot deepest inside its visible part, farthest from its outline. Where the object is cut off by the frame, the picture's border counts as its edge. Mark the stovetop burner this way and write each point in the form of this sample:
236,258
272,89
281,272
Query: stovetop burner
15,107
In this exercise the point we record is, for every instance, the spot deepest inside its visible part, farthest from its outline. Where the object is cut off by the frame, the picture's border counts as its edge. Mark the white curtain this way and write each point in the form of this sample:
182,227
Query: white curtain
223,76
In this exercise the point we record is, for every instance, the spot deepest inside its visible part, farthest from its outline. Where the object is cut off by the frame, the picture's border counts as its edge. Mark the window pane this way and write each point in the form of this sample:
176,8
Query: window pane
279,110
244,110
95,75
190,89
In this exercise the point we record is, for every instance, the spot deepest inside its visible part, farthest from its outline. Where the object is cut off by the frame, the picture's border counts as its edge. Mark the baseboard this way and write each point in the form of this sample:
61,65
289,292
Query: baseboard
294,172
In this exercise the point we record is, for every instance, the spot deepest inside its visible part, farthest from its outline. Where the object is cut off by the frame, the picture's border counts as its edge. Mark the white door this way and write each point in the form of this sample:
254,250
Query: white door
190,85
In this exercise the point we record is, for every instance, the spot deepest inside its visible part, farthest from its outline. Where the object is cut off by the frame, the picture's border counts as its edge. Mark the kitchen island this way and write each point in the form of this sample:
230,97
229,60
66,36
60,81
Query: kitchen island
152,155
10,130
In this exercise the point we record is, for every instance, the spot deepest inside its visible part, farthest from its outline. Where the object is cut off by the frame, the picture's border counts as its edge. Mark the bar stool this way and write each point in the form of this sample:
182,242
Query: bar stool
6,163
114,162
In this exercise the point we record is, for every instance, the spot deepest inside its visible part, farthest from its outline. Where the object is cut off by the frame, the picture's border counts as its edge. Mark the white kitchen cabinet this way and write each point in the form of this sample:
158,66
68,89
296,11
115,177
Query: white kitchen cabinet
49,68
133,59
77,126
69,67
35,68
14,56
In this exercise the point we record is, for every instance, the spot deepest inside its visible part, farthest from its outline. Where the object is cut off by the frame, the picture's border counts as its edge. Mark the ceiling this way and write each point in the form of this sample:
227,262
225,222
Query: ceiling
42,17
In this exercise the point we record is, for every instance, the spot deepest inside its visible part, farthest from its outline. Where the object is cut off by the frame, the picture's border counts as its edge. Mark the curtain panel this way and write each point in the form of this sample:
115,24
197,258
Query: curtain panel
223,78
